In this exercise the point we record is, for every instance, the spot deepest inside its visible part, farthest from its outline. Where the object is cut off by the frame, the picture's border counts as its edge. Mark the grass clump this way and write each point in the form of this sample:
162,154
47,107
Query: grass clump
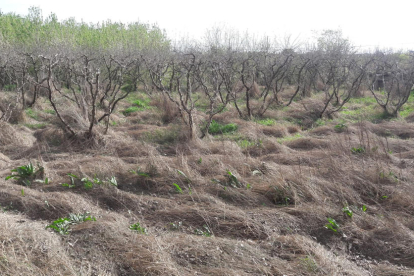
217,128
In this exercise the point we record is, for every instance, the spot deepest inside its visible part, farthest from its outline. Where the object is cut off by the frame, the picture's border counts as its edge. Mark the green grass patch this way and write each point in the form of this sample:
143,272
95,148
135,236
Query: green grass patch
138,104
32,114
266,122
36,126
130,110
406,110
163,136
246,143
217,128
364,101
289,138
49,111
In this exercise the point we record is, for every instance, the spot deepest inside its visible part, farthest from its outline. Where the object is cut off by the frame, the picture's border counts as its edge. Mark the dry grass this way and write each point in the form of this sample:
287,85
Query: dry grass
271,223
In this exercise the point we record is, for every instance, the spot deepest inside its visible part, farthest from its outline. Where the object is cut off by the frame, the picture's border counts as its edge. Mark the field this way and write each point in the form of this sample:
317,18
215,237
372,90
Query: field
285,194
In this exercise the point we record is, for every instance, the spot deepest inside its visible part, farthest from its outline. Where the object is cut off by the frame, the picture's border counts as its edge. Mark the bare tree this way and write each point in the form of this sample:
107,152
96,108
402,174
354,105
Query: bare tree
390,80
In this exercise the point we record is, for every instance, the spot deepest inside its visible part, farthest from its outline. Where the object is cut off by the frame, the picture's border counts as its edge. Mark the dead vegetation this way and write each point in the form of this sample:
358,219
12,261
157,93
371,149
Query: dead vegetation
254,201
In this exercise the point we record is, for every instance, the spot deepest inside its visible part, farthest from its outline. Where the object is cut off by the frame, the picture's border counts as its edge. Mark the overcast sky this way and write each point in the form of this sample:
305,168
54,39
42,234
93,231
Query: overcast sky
366,23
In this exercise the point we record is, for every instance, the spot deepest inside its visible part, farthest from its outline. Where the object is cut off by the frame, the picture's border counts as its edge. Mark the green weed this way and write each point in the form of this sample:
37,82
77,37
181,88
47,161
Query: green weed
62,225
176,225
205,231
364,208
358,150
332,225
348,211
27,174
138,228
232,180
178,188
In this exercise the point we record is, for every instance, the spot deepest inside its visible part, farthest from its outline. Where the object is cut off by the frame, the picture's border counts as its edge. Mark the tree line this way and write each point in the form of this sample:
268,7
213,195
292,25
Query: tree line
96,66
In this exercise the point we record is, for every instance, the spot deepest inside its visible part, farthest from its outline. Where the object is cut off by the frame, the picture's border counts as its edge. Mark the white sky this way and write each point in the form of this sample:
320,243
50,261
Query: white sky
367,23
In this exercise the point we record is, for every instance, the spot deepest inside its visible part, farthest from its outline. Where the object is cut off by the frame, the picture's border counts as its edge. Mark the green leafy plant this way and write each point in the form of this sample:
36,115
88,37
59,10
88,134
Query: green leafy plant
364,208
332,225
178,188
62,225
87,184
140,173
138,228
205,231
348,211
98,181
25,174
113,181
